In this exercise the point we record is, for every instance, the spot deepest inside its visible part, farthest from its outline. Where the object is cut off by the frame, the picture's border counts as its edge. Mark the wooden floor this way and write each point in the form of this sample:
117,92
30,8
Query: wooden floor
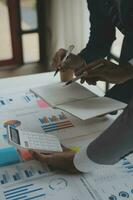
21,70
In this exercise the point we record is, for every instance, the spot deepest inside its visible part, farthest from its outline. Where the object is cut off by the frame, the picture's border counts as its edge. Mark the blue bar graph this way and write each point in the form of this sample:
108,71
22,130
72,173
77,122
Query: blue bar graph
128,166
16,177
4,179
2,103
25,192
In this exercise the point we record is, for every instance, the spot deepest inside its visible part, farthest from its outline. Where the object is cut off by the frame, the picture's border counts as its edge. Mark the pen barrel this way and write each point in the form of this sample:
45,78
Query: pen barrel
66,75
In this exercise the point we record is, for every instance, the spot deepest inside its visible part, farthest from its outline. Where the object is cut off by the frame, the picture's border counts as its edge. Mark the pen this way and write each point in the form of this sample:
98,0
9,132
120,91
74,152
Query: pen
70,48
84,74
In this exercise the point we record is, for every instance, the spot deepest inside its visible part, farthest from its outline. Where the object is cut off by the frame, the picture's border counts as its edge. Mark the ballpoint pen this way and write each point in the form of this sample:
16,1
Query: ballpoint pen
70,48
84,74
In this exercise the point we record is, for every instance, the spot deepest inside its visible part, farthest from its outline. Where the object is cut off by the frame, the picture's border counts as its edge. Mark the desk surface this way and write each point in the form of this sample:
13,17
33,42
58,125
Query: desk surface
28,81
20,83
8,85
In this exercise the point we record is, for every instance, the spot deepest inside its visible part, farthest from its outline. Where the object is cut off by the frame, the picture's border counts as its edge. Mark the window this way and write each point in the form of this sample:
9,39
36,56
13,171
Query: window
22,28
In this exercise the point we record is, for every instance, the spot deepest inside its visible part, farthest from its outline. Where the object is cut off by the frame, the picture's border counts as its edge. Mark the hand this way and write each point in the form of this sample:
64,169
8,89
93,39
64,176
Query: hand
72,62
109,72
62,160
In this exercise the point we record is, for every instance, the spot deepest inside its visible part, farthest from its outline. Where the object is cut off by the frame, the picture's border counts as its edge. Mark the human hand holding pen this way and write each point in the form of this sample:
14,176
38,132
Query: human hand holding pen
68,52
104,70
72,62
82,73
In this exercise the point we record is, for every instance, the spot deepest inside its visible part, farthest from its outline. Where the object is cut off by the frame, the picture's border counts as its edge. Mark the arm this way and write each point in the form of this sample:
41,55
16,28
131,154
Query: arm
115,143
102,34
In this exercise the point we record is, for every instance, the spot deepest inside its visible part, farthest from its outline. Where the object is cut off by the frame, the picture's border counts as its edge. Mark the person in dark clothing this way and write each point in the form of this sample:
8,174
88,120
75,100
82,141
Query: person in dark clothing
105,17
117,141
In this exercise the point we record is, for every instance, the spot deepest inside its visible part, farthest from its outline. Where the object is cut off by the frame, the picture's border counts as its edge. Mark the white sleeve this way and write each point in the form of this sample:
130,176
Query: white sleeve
131,61
83,163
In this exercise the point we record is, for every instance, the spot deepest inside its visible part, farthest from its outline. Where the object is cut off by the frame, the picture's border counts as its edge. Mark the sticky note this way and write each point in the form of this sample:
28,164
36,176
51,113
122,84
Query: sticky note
75,148
25,154
42,104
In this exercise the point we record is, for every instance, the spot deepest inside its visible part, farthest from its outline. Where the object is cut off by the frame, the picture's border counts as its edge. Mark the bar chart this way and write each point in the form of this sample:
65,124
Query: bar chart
21,172
55,122
25,192
127,166
53,186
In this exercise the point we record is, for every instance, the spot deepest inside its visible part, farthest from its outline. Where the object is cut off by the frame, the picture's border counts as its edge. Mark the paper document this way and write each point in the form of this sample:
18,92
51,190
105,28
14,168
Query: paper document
56,122
56,94
51,187
77,100
86,109
113,182
20,100
14,174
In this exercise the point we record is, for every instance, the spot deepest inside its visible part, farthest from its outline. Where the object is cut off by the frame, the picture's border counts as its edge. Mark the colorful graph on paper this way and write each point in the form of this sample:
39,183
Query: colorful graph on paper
21,100
55,122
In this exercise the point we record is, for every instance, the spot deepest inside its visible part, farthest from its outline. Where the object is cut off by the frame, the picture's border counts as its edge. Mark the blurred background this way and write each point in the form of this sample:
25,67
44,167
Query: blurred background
31,31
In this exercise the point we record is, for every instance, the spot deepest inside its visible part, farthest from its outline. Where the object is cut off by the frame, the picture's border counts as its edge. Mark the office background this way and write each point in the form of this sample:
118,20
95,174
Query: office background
33,30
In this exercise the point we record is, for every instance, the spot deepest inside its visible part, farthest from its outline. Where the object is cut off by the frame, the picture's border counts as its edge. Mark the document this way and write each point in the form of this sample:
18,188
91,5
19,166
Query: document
31,180
54,186
56,122
113,182
77,100
20,100
87,109
17,173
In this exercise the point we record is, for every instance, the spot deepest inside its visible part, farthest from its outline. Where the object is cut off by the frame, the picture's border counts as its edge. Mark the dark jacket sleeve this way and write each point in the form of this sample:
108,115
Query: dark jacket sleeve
116,141
102,33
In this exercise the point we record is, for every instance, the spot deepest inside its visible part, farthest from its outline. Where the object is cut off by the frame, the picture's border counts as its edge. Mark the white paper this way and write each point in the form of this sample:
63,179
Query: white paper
113,182
20,100
52,187
56,94
77,100
29,121
89,108
16,173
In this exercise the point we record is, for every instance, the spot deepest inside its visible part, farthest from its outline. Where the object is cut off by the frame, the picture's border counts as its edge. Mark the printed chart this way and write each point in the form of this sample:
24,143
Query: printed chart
52,187
20,172
113,182
21,100
25,192
55,122
127,166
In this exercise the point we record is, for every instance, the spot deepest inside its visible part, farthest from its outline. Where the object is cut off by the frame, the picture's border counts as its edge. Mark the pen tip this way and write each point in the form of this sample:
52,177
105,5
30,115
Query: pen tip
55,73
69,82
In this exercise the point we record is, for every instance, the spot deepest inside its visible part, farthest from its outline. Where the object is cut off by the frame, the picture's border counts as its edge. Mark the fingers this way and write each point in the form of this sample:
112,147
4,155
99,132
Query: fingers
60,54
42,157
89,67
72,62
92,77
90,81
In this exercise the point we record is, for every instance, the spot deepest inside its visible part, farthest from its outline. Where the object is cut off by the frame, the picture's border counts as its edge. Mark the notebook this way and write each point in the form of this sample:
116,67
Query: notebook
77,100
